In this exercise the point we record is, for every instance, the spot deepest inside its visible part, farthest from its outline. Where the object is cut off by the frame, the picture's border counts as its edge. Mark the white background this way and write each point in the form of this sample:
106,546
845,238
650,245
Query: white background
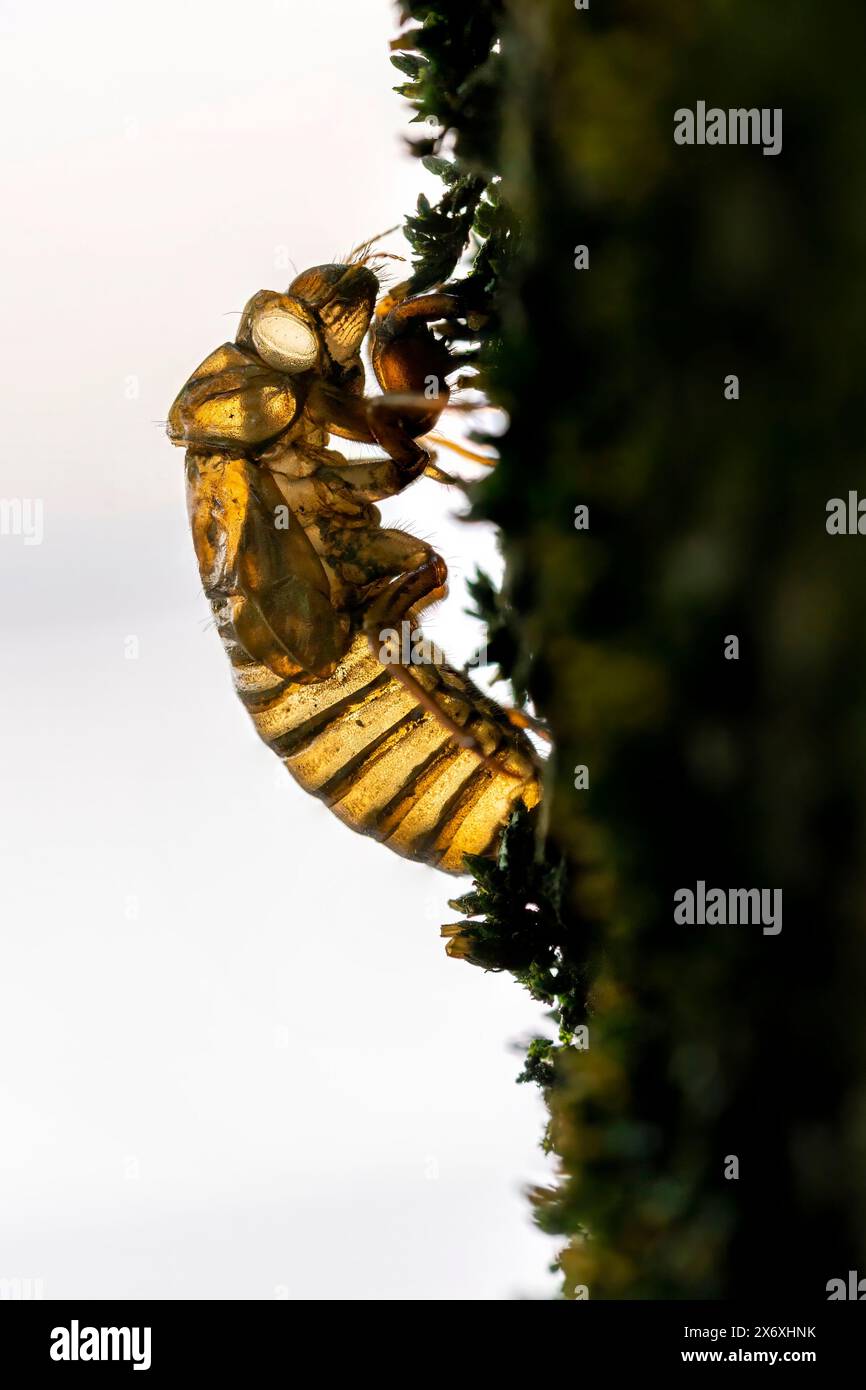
234,1059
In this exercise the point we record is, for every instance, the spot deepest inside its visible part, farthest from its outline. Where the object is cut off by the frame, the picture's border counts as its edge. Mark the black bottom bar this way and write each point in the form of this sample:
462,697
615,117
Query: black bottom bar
219,1339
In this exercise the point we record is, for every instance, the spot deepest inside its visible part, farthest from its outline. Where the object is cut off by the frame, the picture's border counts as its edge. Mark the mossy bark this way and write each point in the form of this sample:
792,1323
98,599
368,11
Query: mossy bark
706,520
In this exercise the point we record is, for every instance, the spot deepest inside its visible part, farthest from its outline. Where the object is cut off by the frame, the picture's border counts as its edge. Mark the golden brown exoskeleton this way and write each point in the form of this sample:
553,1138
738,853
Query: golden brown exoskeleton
303,579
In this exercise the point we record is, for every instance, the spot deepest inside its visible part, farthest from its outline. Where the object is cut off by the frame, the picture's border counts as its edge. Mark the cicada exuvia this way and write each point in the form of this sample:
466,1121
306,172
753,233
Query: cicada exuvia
303,578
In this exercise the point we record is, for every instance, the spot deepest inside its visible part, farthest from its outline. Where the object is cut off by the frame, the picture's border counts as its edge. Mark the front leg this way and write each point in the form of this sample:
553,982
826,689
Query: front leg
411,366
374,479
383,420
406,355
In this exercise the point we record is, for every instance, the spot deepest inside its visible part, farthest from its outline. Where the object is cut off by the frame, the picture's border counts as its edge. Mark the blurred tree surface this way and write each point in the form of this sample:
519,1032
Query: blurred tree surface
706,519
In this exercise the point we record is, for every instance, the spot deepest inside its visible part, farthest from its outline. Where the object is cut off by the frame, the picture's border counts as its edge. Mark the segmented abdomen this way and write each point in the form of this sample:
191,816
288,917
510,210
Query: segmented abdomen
360,742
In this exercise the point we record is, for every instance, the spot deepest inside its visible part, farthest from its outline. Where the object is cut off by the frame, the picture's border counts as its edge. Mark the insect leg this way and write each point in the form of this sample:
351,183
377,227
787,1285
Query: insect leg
383,420
373,479
400,602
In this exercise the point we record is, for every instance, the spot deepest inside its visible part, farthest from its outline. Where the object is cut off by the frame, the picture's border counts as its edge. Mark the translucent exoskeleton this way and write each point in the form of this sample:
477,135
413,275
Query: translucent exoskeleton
303,579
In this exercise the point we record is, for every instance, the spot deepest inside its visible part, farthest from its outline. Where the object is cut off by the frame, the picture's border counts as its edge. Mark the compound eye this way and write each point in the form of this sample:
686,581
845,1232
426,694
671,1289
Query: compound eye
284,342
